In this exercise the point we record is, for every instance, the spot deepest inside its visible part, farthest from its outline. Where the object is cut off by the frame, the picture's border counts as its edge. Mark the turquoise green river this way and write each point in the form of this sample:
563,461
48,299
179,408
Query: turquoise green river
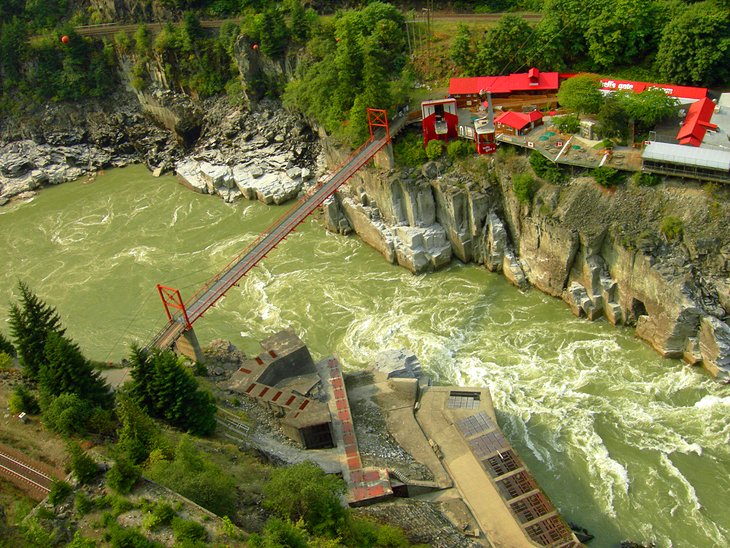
626,444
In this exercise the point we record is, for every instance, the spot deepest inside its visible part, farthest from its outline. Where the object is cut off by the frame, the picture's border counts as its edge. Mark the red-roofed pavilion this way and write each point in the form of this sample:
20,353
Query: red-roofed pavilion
697,123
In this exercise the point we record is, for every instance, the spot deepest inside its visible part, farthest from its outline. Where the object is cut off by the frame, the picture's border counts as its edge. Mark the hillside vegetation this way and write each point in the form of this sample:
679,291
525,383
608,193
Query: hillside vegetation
147,430
335,66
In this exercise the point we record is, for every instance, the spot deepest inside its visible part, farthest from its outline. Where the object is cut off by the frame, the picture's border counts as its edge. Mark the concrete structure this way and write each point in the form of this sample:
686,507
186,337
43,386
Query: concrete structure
284,379
188,345
313,409
366,485
495,484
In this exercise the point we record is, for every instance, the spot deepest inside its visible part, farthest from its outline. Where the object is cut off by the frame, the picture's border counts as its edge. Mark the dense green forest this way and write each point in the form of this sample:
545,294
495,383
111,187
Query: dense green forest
359,55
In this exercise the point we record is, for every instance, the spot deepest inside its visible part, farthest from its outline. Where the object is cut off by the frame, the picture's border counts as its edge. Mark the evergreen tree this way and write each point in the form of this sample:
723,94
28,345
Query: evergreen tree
82,465
299,21
143,379
138,434
272,32
6,346
13,46
67,371
167,390
31,323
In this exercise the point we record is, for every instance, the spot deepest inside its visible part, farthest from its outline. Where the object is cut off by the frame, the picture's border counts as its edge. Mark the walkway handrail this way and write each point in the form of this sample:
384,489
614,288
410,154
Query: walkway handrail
301,201
265,242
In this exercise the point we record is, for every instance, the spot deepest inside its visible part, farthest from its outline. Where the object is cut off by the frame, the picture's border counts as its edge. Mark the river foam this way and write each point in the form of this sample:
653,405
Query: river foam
625,443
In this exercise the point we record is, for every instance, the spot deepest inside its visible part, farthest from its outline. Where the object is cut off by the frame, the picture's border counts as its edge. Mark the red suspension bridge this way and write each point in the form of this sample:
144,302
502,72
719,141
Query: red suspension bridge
181,315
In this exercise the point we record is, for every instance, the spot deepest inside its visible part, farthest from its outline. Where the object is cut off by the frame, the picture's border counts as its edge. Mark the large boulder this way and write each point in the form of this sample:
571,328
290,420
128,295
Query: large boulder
715,346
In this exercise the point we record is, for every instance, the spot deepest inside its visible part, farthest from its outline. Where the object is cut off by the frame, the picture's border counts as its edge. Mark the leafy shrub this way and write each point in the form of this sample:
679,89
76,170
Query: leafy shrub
192,475
280,532
83,503
23,400
188,531
82,465
434,149
67,414
524,186
6,361
162,514
80,541
607,176
567,124
36,535
230,530
363,532
459,149
123,475
124,537
672,227
641,178
408,150
60,490
545,169
304,491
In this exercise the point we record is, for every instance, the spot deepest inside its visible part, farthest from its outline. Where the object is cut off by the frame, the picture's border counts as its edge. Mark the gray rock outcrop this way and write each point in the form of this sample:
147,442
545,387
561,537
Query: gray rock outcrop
602,253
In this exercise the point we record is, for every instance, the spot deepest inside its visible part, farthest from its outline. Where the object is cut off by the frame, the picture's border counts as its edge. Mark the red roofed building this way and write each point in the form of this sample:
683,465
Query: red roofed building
518,123
467,91
697,123
683,93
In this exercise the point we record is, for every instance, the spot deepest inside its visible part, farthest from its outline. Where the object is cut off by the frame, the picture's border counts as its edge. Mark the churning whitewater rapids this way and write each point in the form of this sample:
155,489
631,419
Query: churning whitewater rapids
626,444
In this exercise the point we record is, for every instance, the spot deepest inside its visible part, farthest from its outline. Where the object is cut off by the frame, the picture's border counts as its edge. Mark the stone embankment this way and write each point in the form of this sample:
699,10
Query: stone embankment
264,153
602,252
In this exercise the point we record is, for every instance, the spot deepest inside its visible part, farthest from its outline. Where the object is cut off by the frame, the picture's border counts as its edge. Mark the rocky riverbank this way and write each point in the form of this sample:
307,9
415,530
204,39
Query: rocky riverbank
602,252
264,153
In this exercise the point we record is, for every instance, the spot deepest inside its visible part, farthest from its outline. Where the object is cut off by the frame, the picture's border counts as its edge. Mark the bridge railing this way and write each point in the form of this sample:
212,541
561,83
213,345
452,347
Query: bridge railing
280,221
288,222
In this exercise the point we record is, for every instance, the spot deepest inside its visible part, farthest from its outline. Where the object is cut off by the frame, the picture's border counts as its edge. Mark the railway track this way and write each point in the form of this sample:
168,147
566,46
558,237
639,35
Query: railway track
110,29
24,475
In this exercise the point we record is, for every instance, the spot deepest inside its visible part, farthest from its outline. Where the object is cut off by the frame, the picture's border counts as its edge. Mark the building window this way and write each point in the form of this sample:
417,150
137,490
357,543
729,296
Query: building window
475,424
463,400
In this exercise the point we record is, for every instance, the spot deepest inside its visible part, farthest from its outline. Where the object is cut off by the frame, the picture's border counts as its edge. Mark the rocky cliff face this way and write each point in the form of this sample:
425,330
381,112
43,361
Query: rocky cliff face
602,252
255,150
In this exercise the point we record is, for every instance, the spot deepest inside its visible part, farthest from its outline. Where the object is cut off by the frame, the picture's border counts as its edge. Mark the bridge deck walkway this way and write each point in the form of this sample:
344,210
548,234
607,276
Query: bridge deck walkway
217,287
